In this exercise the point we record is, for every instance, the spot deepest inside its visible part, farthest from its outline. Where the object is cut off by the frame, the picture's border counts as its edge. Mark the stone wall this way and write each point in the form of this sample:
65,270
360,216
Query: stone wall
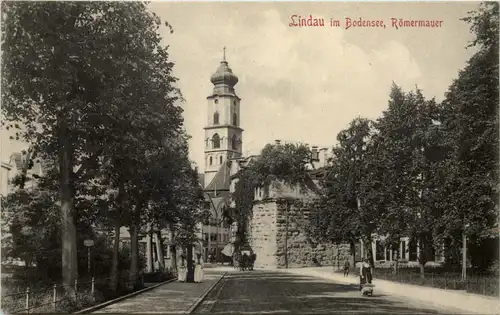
262,234
272,222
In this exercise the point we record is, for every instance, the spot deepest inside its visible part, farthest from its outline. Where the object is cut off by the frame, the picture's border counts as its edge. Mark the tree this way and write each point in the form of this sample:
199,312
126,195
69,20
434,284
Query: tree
348,209
410,150
69,68
470,123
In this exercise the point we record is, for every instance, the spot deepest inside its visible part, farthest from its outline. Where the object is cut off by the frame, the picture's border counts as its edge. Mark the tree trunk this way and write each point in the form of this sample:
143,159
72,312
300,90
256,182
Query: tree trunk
173,259
159,251
134,252
116,252
117,225
149,250
422,259
352,257
173,249
396,263
68,220
190,265
369,253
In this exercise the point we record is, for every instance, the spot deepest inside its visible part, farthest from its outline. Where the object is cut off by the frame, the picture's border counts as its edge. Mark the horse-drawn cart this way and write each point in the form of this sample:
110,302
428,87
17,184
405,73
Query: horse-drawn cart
245,258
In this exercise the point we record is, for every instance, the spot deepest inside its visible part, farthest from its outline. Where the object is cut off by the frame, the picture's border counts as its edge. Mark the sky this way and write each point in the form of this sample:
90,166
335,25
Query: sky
305,84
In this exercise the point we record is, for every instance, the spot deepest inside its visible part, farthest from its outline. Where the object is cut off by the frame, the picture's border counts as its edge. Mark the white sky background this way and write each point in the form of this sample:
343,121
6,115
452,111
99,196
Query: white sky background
305,84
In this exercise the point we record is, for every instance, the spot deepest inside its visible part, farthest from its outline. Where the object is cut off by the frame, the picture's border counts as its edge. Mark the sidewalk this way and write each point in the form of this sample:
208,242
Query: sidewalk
173,297
467,302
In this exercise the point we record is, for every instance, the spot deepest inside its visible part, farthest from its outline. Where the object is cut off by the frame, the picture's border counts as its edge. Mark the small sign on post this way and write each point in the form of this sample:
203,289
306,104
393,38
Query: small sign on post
88,244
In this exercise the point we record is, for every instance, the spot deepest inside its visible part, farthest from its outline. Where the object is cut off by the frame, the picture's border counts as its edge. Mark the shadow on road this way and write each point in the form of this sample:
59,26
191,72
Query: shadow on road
274,292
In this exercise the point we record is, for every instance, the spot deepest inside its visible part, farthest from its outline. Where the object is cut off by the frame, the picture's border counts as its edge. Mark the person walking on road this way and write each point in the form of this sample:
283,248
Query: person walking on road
182,271
198,270
347,266
365,274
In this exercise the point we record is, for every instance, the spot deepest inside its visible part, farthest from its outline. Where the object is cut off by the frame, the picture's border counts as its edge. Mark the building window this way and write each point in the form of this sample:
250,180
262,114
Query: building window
234,102
216,141
220,160
210,161
235,119
234,142
213,237
216,101
216,118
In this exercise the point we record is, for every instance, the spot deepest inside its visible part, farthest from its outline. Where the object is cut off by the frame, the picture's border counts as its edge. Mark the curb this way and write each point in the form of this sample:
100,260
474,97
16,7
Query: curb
204,295
99,306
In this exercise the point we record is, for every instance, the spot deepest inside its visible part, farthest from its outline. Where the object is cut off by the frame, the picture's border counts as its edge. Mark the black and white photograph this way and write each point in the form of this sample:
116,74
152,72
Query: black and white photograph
249,157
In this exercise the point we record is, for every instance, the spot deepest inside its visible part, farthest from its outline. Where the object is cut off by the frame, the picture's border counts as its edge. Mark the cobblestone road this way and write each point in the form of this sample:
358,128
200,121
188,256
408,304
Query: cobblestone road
274,292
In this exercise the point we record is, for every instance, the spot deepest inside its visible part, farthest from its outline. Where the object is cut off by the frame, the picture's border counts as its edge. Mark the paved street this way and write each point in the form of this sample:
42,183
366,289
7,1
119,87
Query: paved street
278,292
174,297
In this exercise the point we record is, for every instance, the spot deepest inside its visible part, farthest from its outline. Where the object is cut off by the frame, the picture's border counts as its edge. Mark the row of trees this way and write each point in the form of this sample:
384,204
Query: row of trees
89,86
424,169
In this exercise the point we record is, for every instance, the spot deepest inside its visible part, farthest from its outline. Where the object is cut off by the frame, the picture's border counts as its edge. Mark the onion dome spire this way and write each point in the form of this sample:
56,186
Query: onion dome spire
224,77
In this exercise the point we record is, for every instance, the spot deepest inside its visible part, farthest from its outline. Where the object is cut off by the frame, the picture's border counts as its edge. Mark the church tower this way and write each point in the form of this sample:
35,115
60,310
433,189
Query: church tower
222,132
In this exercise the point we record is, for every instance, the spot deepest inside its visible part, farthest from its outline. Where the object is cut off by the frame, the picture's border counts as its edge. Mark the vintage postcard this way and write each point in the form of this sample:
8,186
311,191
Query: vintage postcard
249,157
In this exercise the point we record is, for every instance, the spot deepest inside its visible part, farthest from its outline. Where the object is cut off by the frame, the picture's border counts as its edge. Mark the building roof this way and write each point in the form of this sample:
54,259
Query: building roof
221,180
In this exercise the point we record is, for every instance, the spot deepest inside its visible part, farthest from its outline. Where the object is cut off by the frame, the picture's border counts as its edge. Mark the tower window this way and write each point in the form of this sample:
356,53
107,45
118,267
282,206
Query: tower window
216,101
220,160
210,161
235,119
216,118
234,143
234,102
216,141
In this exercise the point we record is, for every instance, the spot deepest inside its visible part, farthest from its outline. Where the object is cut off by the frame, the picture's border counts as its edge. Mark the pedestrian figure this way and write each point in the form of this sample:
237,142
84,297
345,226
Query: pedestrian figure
182,270
347,266
365,274
198,270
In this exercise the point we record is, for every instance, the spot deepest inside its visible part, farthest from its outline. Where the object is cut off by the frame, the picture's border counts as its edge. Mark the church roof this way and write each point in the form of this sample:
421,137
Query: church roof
221,180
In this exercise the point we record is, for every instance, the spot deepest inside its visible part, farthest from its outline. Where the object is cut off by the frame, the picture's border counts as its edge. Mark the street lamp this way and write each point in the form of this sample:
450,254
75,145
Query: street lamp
464,252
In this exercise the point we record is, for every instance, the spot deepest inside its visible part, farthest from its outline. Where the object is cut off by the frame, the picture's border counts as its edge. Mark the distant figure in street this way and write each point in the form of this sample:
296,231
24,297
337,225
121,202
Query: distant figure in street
365,274
182,270
347,266
198,270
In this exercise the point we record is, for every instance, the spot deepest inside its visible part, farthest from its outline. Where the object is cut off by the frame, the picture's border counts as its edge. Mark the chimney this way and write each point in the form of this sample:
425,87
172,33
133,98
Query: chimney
314,154
277,142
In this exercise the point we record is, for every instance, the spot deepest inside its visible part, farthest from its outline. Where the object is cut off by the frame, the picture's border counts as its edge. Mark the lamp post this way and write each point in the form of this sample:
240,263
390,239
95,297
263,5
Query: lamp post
464,252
